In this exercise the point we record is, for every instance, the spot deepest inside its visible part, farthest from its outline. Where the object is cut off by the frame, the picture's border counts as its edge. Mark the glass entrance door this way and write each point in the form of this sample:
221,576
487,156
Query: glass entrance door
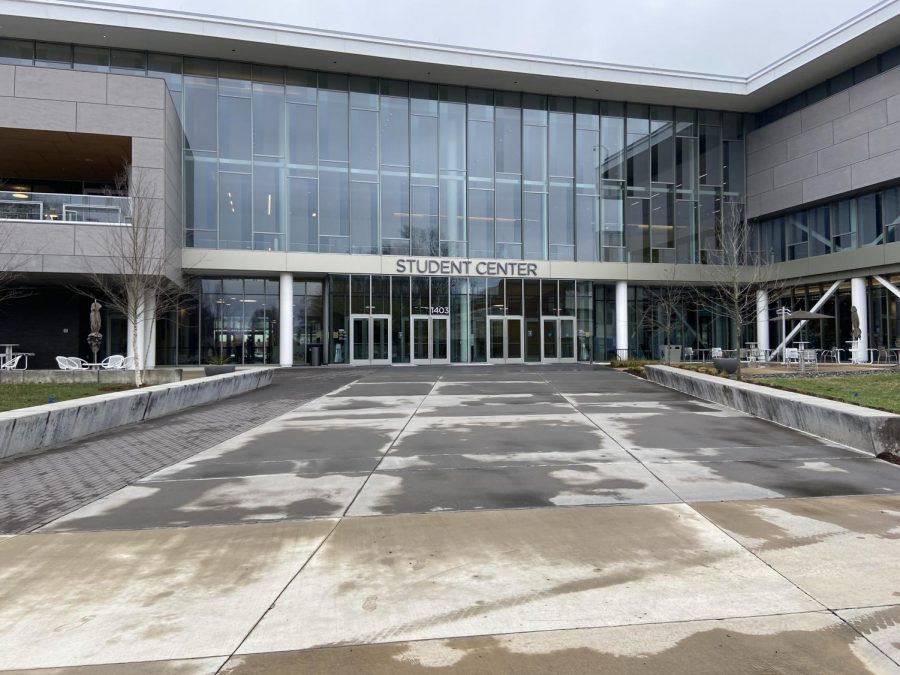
496,340
430,339
505,340
558,338
370,340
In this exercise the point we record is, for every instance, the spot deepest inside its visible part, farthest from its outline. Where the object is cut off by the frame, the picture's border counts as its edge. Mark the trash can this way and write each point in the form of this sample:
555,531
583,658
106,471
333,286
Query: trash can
671,353
315,355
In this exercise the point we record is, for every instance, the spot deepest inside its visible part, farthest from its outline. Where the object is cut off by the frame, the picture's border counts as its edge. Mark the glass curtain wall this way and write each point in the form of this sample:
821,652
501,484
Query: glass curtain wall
867,220
471,303
287,159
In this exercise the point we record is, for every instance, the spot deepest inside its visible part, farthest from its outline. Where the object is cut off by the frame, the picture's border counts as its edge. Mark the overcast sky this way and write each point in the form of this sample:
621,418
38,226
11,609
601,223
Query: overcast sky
727,37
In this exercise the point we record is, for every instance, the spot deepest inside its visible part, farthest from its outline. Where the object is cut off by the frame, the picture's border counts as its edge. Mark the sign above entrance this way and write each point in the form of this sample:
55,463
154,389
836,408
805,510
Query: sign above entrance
464,267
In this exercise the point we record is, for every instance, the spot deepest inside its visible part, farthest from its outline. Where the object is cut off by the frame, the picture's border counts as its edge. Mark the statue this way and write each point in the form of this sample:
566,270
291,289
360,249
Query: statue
95,337
855,331
95,316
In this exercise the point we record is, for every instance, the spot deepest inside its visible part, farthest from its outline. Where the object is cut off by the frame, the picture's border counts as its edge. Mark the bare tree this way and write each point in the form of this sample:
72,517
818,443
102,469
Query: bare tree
135,276
663,306
14,260
734,275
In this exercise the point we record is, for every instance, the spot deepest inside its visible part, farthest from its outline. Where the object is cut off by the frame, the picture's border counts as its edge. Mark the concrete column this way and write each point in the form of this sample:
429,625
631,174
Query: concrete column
762,319
622,319
859,300
149,355
286,319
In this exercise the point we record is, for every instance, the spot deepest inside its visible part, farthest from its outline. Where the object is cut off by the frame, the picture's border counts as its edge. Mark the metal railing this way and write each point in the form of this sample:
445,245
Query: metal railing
51,207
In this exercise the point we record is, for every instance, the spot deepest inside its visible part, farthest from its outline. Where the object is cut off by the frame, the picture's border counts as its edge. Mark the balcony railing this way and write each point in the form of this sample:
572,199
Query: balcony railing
49,207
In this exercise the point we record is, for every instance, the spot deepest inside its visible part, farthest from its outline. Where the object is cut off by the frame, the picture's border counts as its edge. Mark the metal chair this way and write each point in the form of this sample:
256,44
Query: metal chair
688,354
127,363
792,355
113,362
715,353
63,363
10,364
884,356
808,358
77,363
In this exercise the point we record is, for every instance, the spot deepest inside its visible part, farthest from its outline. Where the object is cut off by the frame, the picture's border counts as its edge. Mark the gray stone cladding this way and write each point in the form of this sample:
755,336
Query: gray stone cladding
846,142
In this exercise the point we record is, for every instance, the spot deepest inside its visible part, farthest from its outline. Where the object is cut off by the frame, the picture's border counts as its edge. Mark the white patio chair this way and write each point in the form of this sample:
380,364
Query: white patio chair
113,362
809,358
63,363
127,363
715,353
688,353
10,364
792,355
77,363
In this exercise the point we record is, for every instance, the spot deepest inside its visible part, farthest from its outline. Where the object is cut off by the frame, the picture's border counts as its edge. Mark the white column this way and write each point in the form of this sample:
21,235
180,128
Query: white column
762,320
149,355
859,300
622,319
286,319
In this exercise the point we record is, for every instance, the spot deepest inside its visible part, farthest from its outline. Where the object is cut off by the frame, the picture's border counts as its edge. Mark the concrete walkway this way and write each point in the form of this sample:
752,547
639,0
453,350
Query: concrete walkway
474,520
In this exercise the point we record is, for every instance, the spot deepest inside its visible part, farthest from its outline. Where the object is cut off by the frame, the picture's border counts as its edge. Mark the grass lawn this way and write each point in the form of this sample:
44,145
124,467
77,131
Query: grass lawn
14,396
872,391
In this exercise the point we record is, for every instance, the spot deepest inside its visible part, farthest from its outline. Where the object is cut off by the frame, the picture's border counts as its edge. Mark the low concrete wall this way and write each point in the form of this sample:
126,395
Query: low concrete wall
45,426
866,429
154,376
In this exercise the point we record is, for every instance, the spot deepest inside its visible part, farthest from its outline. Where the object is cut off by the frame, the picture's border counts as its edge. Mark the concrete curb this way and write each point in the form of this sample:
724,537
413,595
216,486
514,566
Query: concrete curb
45,426
872,431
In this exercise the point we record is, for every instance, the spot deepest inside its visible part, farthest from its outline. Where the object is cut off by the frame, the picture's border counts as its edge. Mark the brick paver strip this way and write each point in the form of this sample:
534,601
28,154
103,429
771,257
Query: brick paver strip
39,488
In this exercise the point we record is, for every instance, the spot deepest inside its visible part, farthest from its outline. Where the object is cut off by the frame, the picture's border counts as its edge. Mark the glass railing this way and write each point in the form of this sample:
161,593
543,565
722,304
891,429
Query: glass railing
15,205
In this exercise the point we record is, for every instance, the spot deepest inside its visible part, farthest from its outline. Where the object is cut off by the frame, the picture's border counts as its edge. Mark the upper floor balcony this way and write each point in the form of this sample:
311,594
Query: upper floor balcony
68,208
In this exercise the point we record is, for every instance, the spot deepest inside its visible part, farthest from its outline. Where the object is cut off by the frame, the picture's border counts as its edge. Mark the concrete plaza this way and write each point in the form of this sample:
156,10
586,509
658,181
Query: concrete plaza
490,519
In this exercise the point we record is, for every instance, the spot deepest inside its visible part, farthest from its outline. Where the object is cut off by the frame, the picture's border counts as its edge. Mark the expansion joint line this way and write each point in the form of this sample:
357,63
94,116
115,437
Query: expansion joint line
390,446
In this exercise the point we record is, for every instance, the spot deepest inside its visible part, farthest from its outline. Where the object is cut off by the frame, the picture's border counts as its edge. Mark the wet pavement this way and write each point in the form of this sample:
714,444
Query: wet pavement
475,519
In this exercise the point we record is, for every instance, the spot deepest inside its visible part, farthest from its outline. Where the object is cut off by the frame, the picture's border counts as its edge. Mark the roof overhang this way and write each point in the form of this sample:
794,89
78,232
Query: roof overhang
203,35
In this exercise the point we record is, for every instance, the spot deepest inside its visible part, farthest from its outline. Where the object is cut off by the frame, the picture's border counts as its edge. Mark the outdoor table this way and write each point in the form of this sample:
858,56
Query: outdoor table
8,350
702,353
26,355
801,345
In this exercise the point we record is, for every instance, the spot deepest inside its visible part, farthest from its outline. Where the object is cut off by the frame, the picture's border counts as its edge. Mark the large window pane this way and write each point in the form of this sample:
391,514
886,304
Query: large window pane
333,126
562,219
452,129
303,214
268,182
200,97
201,194
268,119
334,202
364,145
395,211
234,128
234,210
303,152
509,216
481,153
508,140
637,229
424,207
453,207
394,131
587,208
424,150
364,217
481,223
534,225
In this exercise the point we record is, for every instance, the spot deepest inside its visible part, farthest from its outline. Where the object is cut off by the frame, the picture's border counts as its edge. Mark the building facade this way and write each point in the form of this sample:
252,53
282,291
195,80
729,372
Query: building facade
390,214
